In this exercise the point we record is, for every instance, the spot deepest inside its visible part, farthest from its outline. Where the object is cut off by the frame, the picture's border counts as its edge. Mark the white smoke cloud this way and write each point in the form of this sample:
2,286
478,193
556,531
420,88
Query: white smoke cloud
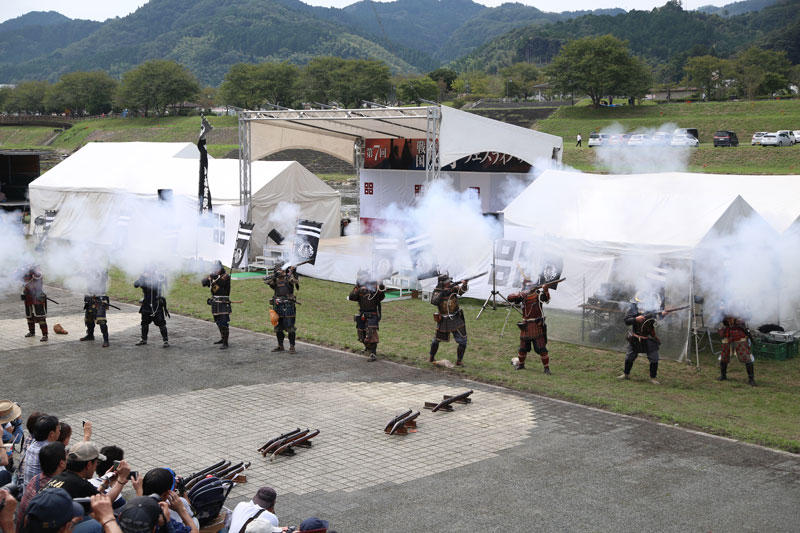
624,159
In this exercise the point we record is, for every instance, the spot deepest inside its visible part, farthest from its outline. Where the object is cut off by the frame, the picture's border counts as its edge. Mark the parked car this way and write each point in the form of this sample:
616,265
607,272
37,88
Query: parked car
775,139
726,138
684,139
757,137
662,137
687,131
639,139
598,139
615,140
789,133
796,135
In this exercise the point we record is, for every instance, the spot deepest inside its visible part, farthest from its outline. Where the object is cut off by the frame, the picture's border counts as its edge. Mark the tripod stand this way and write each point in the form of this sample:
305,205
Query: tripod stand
494,293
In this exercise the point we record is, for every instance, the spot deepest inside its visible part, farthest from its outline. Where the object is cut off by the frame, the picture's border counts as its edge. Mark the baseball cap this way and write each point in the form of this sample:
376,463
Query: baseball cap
85,451
140,515
51,509
265,497
313,524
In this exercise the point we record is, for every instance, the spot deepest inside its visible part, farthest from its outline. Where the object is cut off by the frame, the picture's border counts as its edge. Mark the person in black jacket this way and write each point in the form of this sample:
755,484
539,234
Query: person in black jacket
219,282
641,339
369,294
153,304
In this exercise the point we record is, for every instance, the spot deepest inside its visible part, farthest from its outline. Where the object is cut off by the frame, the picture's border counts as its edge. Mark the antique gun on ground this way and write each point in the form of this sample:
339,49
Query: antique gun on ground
394,420
203,471
402,424
445,404
304,441
212,472
279,437
233,474
277,444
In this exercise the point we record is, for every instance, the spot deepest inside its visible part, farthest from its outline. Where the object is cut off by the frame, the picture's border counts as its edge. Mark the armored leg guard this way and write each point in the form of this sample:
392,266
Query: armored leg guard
460,354
225,332
104,331
164,335
371,347
279,334
43,327
89,332
291,342
31,328
723,371
145,329
751,375
545,362
519,361
434,349
221,335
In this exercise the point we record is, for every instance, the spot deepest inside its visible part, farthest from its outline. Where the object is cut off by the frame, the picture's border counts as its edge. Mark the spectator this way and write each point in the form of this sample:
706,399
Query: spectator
32,418
81,463
262,526
53,461
580,140
7,512
162,483
142,514
261,507
64,433
103,512
45,430
314,524
104,471
12,433
52,511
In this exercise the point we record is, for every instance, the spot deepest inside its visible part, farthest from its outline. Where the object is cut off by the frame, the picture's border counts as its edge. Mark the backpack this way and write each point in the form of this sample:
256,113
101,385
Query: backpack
207,498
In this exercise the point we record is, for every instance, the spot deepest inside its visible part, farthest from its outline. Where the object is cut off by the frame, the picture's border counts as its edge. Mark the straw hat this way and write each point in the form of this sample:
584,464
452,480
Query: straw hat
9,411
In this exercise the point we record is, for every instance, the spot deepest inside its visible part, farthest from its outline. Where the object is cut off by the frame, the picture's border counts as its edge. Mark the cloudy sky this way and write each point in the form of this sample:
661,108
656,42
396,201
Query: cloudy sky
103,9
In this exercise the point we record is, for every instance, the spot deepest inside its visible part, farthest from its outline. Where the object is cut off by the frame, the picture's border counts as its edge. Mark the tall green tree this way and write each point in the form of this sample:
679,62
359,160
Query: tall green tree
760,72
83,92
345,81
521,78
251,86
29,97
5,97
156,84
705,73
596,66
417,89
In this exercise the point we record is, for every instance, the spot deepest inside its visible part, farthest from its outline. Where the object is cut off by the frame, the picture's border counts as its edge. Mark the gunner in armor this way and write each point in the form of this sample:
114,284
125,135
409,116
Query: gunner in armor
735,340
95,305
449,317
533,330
641,339
219,282
35,302
153,304
284,282
369,295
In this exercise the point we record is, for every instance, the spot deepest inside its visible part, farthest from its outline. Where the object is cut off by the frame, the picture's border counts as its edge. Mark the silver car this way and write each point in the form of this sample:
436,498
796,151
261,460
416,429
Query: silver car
757,137
775,139
684,140
789,134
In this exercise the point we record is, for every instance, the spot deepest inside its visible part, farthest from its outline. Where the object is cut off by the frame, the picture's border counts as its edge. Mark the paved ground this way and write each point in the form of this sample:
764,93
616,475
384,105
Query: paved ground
506,462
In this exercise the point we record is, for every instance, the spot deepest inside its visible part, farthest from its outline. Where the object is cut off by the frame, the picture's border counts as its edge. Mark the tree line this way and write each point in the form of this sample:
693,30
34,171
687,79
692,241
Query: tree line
598,67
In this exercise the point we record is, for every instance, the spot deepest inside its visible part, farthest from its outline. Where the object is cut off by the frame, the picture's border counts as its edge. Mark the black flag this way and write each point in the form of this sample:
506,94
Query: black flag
242,240
203,192
306,240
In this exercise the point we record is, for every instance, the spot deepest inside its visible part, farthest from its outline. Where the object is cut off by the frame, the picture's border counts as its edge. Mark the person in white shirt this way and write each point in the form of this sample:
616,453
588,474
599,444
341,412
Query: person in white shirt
261,507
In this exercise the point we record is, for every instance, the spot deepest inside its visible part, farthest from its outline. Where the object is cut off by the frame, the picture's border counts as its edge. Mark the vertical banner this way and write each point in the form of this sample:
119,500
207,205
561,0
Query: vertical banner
242,240
45,222
203,192
306,240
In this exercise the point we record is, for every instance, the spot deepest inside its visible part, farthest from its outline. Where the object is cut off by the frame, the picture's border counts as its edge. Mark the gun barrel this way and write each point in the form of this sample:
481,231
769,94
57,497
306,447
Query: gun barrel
279,437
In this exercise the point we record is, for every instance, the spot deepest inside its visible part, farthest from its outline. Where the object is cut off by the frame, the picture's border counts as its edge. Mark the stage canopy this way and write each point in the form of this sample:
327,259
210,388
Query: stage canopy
98,182
335,131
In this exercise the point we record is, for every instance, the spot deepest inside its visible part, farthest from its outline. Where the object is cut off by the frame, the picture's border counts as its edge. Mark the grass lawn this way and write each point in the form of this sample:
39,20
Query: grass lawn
768,414
24,136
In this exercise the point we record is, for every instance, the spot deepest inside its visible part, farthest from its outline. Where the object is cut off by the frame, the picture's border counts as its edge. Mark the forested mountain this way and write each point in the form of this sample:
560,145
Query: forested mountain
658,35
411,36
737,8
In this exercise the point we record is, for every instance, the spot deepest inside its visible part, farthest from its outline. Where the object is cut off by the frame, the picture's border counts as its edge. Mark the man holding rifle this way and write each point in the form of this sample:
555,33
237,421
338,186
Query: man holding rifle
284,312
735,340
369,294
642,338
449,317
95,305
35,302
533,330
153,304
219,282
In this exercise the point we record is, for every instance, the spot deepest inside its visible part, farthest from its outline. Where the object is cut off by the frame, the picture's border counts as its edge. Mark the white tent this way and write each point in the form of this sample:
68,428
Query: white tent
95,182
623,229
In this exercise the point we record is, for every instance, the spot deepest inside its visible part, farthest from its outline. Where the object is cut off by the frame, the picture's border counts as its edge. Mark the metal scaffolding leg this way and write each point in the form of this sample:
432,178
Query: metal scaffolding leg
432,143
245,169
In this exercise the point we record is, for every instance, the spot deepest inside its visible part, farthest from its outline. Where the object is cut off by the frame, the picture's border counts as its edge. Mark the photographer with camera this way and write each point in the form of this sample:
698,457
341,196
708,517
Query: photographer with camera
81,464
163,482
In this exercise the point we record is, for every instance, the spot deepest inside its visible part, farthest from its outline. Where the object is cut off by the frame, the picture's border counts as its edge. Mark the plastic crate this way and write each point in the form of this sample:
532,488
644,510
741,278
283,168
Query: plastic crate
763,349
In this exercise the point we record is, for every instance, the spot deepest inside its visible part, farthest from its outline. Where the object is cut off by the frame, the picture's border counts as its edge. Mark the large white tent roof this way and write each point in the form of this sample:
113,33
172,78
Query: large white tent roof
334,131
673,210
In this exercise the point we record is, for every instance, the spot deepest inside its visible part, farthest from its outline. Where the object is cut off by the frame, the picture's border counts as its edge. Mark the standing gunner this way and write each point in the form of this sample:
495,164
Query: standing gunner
35,302
642,339
220,283
369,295
95,305
533,330
449,318
735,339
154,305
284,282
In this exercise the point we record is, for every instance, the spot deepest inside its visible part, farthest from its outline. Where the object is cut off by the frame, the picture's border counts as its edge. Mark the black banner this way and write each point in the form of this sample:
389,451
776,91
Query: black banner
242,241
203,192
306,240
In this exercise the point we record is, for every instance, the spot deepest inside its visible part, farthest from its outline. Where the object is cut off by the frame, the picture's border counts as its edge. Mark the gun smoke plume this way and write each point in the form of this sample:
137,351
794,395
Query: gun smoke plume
624,159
